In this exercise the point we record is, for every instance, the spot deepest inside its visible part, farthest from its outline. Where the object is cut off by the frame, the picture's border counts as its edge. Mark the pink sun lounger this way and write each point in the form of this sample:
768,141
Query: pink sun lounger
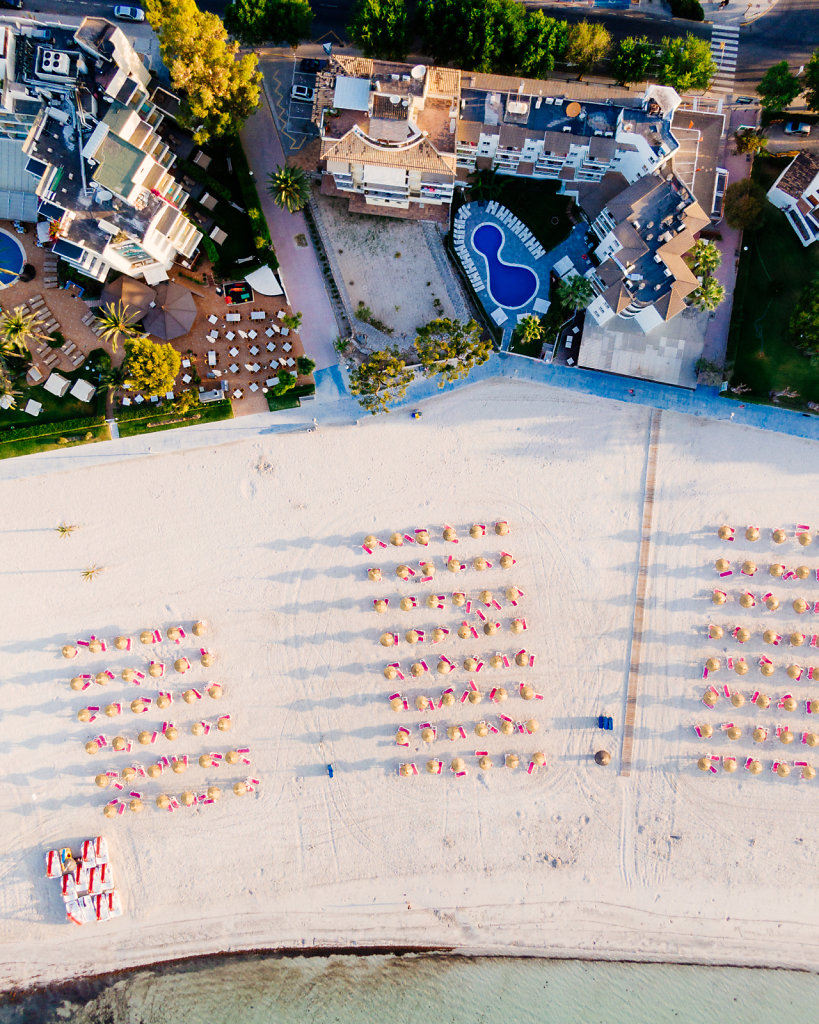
505,660
728,572
478,612
409,538
748,762
789,575
774,766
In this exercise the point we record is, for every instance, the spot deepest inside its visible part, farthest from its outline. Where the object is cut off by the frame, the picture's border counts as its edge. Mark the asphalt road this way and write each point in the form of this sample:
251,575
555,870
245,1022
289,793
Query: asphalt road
790,32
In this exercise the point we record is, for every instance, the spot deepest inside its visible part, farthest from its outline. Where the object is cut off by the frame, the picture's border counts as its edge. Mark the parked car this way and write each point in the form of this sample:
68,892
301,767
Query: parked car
795,128
304,93
744,101
309,65
129,13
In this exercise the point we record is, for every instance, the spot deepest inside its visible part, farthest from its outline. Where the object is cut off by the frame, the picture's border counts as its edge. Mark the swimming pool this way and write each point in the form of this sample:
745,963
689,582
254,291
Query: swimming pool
12,258
511,285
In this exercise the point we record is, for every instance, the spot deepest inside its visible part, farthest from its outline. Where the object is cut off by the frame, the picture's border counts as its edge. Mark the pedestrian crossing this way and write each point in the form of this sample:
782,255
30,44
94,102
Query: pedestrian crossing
724,50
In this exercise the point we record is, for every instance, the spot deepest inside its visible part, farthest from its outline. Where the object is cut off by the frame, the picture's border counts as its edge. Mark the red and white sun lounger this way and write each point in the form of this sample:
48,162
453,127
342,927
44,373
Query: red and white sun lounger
54,866
68,887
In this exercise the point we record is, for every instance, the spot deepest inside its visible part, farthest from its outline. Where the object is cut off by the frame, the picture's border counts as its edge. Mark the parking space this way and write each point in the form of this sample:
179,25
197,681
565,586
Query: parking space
300,98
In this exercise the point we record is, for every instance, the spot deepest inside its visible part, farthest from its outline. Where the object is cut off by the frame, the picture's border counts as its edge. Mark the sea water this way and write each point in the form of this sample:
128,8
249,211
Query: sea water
423,989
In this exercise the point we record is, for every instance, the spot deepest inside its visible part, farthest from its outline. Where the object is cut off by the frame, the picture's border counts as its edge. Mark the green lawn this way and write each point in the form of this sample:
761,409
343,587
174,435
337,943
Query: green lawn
54,409
11,446
536,203
772,274
169,419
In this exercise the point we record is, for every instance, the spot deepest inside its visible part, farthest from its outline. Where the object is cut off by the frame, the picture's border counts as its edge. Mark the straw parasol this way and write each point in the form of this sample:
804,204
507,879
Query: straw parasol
485,763
128,774
189,696
101,678
734,732
716,632
110,810
405,770
205,761
458,599
740,666
779,536
374,575
783,770
128,675
602,757
448,699
396,540
725,532
800,606
163,701
84,715
496,661
232,757
797,639
704,763
786,736
759,735
119,743
470,664
428,568
155,669
512,761
490,628
794,671
453,732
475,696
722,565
121,643
438,634
163,802
527,692
239,788
187,798
449,534
755,767
737,699
458,764
502,528
136,805
532,725
752,533
146,636
432,601
507,727
102,781
506,562
802,572
480,563
207,659
416,669
743,636
396,704
198,728
501,694
224,723
139,705
481,729
69,651
145,737
370,541
749,568
709,698
746,600
763,701
769,636
517,626
789,704
171,733
387,639
513,593
776,569
539,759
772,604
804,539
713,664
433,767
92,747
178,767
214,793
443,667
182,665
390,672
808,772
521,658
402,738
153,771
812,739
412,636
464,632
174,633
77,683
405,604
422,537
485,596
422,703
719,597
402,572
706,730
475,531
453,564
95,647
729,764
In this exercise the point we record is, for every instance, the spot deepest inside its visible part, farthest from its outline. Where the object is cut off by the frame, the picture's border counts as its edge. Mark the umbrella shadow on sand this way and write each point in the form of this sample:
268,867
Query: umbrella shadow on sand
303,543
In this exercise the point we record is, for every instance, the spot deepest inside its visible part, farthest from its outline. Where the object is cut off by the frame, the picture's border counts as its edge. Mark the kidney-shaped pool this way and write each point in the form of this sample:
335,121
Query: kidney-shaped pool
511,285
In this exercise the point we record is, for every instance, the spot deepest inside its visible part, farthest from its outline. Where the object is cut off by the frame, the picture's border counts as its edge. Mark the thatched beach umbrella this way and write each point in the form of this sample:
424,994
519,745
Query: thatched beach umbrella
769,636
481,729
485,597
794,671
496,661
163,701
512,761
405,770
214,793
163,802
521,659
198,728
422,537
746,600
422,703
396,704
779,536
743,636
517,626
153,771
532,725
450,534
458,764
188,798
412,636
507,727
406,604
480,564
527,692
500,694
812,739
146,636
102,781
110,810
808,772
402,572
155,669
513,593
432,601
729,764
789,704
205,761
502,528
734,732
433,767
476,531
749,568
448,699
427,568
759,735
179,767
783,770
706,730
459,599
453,732
374,575
704,764
92,747
387,639
755,767
802,572
485,763
737,699
119,743
370,541
475,696
725,532
506,561
804,539
715,632
786,736
128,675
232,757
539,758
719,597
722,565
464,632
797,639
207,659
171,733
713,664
776,569
189,696
453,564
174,633
84,715
763,701
490,628
121,643
772,603
416,669
139,706
95,647
200,628
136,805
709,698
396,539
145,737
239,788
390,672
402,738
427,735
752,533
602,757
70,651
740,666
182,665
800,606
101,679
224,723
77,683
128,774
470,664
443,667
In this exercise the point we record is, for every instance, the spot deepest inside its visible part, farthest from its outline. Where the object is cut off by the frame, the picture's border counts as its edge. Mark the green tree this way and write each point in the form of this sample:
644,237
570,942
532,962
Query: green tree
219,91
381,28
545,41
575,292
704,257
708,295
289,20
117,320
292,321
744,205
380,381
248,20
589,43
305,366
633,60
449,349
686,63
750,142
778,88
810,82
18,330
150,367
477,35
289,188
804,323
286,382
529,330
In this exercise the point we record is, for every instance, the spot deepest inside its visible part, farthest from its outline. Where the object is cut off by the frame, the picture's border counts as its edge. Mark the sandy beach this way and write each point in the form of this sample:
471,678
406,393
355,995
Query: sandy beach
262,539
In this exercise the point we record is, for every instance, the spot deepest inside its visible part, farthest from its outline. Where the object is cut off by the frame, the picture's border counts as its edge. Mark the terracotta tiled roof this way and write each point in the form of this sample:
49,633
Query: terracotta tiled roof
419,157
353,67
443,82
799,175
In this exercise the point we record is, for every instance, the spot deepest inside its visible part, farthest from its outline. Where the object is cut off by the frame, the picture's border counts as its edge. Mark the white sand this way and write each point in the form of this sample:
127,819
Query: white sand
261,538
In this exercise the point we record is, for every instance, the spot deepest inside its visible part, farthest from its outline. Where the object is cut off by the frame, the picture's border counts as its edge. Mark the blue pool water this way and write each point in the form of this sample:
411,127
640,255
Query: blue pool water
12,258
511,285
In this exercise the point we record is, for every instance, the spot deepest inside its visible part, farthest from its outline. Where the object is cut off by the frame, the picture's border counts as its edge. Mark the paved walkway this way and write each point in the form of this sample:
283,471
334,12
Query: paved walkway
298,265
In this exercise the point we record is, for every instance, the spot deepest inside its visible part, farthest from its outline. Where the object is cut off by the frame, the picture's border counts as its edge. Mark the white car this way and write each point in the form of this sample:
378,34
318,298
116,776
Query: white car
304,93
129,13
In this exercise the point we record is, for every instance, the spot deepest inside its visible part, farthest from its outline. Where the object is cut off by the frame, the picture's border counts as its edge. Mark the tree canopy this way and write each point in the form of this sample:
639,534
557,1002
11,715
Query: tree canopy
750,141
380,381
289,188
589,43
219,92
477,35
545,40
810,82
575,292
633,60
448,349
804,324
778,88
686,63
704,257
744,205
381,28
709,294
150,367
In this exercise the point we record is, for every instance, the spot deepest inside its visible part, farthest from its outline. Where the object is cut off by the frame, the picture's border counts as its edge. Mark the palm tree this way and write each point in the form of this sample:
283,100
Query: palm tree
709,294
704,257
111,378
289,188
117,319
17,330
66,529
487,184
91,572
575,293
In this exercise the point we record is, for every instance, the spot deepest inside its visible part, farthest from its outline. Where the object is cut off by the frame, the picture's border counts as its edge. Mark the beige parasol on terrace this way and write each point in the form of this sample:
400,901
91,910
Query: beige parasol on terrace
763,701
458,599
428,568
786,736
722,565
155,669
396,539
602,757
746,600
713,664
470,664
84,715
715,632
224,723
759,735
794,671
804,539
179,767
776,569
390,672
412,636
77,683
532,725
240,788
153,771
725,532
387,639
706,730
512,761
789,704
145,737
450,534
485,763
110,810
783,770
92,747
772,603
422,537
737,699
507,727
709,698
802,572
527,692
448,699
506,561
422,703
729,764
800,606
490,628
374,575
779,536
481,729
119,743
740,666
719,597
214,793
797,639
734,732
402,572
171,733
502,528
102,781
458,764
70,651
163,801
743,636
475,696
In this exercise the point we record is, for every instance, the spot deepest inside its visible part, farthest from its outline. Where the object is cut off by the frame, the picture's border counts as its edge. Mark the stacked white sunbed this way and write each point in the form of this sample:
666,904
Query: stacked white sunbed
86,882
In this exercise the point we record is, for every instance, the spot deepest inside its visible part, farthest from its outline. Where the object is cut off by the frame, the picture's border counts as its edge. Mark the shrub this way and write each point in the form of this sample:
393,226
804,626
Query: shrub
690,9
56,340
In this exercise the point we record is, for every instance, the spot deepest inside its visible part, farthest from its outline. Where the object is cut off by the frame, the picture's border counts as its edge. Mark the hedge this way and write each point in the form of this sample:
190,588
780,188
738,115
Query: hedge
249,191
691,9
16,433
